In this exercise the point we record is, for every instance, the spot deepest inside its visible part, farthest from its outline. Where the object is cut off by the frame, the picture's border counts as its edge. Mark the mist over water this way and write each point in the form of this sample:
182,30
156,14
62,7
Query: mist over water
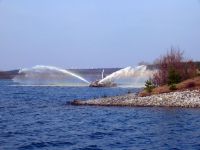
48,75
54,76
129,76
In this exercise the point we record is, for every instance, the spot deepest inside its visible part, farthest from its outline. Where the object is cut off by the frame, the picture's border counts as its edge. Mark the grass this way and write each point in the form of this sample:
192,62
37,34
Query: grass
193,83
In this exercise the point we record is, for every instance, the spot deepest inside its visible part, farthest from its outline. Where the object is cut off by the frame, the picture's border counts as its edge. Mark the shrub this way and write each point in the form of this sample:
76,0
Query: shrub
149,86
172,87
173,77
172,66
198,72
189,70
198,64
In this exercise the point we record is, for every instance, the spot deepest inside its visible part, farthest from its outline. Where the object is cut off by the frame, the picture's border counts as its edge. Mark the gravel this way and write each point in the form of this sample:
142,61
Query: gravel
188,98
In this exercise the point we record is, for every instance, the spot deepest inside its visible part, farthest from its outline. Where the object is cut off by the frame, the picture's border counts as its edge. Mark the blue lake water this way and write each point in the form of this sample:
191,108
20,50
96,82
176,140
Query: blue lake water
33,117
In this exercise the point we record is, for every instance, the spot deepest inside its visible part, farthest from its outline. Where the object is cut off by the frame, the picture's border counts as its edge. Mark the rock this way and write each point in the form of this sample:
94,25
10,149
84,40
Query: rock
173,99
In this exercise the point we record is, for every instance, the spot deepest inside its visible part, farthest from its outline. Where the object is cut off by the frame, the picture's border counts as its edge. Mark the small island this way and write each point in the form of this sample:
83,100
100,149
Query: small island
176,83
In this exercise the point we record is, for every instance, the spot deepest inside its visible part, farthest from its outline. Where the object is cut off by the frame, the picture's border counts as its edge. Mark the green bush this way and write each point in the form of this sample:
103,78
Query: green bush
173,77
172,87
149,86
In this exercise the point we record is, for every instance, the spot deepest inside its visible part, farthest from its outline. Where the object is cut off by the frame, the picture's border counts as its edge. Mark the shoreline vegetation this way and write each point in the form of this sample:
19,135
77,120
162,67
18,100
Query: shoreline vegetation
187,95
189,84
176,83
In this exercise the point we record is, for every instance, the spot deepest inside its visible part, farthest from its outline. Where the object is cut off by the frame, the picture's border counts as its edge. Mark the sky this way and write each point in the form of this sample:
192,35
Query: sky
95,33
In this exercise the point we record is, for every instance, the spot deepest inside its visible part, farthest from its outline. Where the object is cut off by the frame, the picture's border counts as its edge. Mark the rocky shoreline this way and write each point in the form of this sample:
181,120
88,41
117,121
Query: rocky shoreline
187,98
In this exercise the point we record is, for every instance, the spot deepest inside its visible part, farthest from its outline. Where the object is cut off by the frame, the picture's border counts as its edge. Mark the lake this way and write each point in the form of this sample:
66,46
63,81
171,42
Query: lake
40,117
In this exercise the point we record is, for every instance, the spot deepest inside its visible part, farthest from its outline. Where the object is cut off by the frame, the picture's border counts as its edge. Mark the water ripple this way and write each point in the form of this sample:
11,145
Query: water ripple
38,118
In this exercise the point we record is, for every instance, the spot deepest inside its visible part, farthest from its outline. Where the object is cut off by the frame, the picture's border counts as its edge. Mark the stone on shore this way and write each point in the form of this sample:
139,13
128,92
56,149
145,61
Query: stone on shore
173,99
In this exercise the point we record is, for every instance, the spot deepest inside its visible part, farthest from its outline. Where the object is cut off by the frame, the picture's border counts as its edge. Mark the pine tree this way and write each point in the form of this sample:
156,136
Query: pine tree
149,86
173,77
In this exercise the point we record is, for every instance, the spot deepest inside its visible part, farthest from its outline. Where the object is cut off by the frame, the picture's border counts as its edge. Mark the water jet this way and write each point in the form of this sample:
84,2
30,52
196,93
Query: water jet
49,75
126,77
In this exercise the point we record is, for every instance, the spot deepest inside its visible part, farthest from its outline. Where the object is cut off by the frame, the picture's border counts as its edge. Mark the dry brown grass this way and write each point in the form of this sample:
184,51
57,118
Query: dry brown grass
193,83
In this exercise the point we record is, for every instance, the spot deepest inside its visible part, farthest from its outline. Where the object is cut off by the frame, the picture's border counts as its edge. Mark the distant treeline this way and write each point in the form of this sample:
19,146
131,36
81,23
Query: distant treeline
8,74
12,73
154,66
97,72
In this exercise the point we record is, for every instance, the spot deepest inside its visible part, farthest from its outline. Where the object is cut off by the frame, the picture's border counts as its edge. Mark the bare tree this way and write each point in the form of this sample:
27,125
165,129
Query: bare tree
173,60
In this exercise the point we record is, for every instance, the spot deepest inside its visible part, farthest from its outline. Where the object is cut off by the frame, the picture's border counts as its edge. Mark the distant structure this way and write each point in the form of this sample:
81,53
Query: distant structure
98,84
102,74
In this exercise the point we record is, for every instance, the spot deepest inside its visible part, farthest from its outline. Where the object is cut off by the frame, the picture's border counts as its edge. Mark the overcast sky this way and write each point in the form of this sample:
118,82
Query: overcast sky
95,33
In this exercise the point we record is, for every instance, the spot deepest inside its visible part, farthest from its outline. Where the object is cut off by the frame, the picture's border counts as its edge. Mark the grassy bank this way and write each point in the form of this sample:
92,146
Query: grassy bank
188,84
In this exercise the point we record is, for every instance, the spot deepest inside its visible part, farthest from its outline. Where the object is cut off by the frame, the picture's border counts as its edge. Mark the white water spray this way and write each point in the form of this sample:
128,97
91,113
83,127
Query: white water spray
49,75
129,76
